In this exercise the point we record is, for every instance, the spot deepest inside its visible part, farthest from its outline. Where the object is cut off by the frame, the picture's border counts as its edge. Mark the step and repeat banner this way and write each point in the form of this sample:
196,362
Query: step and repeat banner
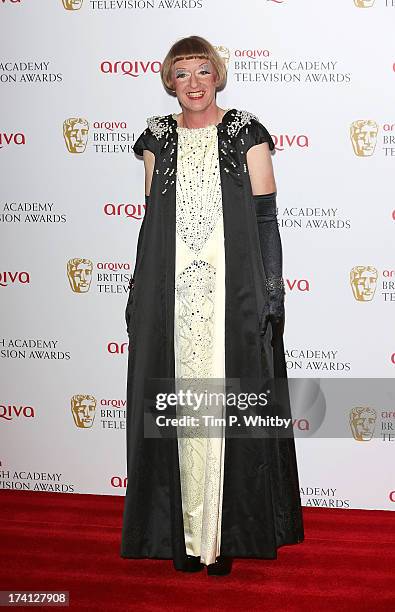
78,79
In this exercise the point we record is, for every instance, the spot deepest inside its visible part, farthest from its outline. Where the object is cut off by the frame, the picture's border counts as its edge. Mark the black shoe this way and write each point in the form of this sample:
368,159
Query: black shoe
192,564
221,567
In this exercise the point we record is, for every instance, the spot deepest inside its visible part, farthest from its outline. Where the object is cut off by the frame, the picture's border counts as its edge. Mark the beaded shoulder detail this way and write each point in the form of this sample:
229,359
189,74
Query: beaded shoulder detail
159,125
233,121
238,120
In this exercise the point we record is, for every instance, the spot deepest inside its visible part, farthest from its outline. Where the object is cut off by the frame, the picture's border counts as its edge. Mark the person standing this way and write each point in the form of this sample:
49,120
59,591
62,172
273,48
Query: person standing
206,301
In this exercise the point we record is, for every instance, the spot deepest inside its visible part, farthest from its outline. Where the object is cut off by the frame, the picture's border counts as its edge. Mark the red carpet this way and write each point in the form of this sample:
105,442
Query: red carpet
56,541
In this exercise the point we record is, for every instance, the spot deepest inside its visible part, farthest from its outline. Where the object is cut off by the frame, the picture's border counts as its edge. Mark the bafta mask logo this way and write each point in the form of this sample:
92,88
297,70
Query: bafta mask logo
363,281
72,5
79,273
75,132
363,135
364,3
224,54
83,408
362,423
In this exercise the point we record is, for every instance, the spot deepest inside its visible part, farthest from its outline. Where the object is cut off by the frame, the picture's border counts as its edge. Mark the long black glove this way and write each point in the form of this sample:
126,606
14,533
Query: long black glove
272,258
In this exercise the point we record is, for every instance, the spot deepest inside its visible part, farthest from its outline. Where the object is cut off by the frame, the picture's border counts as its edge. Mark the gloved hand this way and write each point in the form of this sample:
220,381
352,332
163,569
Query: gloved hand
271,251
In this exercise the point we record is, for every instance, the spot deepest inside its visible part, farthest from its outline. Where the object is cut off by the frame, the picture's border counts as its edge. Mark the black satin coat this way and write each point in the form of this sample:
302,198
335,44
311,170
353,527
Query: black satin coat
261,502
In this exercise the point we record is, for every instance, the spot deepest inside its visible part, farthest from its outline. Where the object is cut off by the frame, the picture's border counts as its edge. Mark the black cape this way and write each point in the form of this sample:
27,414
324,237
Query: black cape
261,500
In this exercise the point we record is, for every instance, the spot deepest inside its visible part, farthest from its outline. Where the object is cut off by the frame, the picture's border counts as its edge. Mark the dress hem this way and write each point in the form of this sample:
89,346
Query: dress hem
224,552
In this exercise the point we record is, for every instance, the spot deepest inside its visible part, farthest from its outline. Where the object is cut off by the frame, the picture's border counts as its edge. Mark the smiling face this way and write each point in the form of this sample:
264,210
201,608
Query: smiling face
194,81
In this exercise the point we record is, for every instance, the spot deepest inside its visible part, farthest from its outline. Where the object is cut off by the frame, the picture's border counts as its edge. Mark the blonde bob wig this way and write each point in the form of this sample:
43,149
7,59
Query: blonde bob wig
190,48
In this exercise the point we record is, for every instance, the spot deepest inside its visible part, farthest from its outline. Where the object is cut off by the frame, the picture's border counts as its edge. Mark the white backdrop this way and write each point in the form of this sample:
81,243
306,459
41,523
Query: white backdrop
308,69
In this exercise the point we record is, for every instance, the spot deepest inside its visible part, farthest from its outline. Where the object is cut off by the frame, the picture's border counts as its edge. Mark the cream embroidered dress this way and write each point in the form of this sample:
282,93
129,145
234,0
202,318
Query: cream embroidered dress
199,334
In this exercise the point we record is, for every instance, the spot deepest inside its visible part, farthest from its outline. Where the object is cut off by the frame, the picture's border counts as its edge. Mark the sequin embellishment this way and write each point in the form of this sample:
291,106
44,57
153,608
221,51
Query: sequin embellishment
198,181
240,119
158,125
199,332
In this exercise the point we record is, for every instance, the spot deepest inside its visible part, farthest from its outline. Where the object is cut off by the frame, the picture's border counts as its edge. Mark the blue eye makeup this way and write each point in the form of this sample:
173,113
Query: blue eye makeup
205,68
180,73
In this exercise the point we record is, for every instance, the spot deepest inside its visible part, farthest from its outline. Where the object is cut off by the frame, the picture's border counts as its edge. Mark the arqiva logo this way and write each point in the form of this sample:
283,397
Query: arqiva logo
285,141
14,278
11,139
8,413
297,284
119,483
11,1
117,348
133,211
134,68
